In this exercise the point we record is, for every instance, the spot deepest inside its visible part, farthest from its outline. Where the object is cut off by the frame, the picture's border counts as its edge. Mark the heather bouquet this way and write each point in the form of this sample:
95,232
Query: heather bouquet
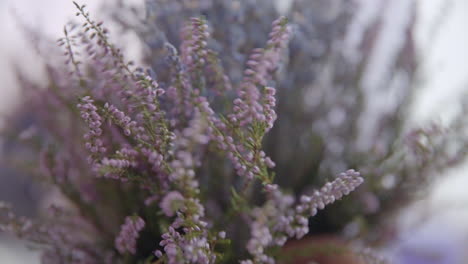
174,161
131,158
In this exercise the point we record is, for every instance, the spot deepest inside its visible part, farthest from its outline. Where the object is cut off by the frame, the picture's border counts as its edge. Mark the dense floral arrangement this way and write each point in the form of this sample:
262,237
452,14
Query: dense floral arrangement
176,163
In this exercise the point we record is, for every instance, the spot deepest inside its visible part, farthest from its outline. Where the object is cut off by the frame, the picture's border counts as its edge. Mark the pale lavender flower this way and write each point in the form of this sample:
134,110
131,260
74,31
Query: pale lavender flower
125,122
170,203
222,234
254,104
330,192
193,48
94,143
279,220
129,233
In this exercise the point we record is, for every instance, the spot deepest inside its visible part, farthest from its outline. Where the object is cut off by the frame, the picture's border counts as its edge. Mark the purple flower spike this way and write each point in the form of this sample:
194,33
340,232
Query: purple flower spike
129,233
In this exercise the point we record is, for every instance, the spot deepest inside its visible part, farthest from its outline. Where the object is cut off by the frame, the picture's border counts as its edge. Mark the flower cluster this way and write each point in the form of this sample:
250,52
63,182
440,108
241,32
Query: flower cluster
181,250
283,218
192,245
64,244
171,202
241,134
194,47
330,192
90,115
254,105
126,240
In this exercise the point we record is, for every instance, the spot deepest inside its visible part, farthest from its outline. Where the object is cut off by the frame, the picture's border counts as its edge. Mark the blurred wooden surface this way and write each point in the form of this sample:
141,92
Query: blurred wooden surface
318,250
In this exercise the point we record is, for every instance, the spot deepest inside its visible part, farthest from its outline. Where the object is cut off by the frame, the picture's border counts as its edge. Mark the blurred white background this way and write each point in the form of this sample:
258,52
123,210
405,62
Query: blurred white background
441,40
